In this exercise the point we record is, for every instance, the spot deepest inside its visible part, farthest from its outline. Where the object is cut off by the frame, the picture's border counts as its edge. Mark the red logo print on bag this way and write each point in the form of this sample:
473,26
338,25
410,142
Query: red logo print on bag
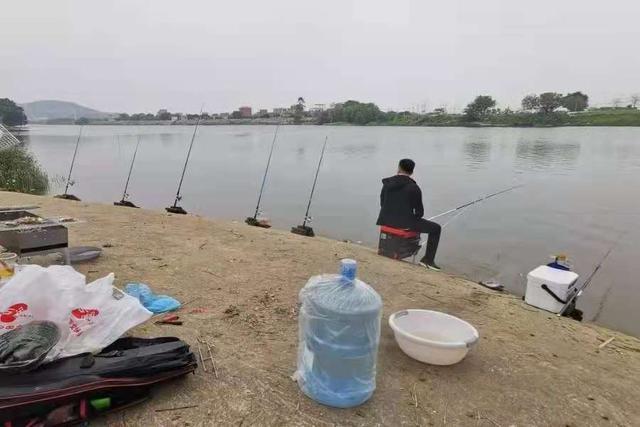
12,312
81,319
85,313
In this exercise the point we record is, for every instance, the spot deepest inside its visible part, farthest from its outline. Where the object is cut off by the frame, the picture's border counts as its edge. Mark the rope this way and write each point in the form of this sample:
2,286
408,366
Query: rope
7,140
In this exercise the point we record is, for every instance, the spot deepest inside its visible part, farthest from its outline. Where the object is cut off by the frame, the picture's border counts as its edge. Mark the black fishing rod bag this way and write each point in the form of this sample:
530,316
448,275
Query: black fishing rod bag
72,390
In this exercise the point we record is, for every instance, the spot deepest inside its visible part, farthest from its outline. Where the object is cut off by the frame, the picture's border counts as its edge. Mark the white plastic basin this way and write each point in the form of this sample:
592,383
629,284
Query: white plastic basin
433,337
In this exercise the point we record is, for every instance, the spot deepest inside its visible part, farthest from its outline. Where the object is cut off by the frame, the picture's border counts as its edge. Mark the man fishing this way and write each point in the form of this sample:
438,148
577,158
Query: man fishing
401,207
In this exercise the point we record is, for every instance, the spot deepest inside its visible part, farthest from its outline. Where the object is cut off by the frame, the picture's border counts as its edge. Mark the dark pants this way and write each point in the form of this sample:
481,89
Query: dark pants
433,230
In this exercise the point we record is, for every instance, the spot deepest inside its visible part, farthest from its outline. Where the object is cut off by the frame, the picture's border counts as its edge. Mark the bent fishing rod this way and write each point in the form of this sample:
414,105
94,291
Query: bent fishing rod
473,202
65,195
304,229
254,219
586,283
124,201
175,208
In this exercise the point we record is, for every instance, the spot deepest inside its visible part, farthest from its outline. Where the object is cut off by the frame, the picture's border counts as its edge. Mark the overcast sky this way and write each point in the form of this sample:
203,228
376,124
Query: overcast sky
135,55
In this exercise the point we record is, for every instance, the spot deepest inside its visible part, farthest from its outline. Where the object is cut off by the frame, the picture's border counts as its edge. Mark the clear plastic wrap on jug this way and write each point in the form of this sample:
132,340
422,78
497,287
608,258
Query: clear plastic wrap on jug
339,333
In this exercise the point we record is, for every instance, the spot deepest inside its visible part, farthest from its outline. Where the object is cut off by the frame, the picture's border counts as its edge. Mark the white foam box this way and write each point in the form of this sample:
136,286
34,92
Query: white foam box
562,283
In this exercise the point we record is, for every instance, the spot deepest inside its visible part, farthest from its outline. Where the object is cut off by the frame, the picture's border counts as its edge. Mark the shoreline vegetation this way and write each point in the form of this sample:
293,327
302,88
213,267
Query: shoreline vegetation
594,117
548,109
21,172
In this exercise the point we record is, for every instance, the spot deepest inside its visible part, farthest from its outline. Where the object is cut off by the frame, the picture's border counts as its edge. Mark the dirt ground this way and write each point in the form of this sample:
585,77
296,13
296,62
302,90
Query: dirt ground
240,286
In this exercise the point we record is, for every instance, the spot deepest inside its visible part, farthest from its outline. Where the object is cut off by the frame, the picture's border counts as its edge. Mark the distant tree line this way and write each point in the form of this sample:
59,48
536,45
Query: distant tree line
11,114
483,107
537,110
160,115
547,108
354,112
550,101
298,111
480,108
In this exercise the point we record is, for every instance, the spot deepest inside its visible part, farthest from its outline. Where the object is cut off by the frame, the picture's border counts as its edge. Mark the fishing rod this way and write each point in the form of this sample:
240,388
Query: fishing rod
175,208
473,202
303,229
124,201
460,209
586,283
66,195
253,220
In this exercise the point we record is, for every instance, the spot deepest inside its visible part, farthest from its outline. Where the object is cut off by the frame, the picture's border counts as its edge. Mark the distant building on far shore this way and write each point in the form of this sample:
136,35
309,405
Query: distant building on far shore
317,109
263,112
280,111
245,112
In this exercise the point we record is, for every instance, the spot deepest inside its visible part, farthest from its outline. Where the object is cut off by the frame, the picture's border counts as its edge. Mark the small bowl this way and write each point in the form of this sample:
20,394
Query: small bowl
433,337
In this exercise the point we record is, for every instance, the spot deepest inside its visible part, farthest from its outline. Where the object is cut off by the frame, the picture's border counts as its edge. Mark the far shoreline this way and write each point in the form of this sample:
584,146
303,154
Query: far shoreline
241,122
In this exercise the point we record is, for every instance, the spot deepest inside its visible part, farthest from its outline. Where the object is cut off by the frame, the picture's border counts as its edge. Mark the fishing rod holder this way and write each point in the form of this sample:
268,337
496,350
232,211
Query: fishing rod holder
66,196
254,222
176,210
125,203
303,230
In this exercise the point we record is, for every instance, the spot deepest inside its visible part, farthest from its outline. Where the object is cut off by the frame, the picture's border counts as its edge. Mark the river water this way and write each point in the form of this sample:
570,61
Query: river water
580,192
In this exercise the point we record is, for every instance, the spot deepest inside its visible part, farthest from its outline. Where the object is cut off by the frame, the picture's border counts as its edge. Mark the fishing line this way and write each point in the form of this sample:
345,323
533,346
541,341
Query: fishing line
453,217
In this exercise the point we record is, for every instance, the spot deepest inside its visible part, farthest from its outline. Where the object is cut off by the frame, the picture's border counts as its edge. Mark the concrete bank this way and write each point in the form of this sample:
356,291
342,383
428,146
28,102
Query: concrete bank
241,284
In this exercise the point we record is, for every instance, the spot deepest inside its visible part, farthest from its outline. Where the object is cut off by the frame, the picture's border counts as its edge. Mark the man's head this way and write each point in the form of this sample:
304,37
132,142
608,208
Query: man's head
406,166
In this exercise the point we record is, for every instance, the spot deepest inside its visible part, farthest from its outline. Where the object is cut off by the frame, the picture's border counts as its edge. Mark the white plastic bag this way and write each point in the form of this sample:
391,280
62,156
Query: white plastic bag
90,317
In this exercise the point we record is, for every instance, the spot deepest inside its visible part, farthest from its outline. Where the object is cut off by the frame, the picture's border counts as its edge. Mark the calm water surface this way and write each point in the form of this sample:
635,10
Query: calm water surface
580,194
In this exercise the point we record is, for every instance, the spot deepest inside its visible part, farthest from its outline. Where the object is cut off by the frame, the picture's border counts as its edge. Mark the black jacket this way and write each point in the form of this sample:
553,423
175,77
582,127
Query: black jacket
400,202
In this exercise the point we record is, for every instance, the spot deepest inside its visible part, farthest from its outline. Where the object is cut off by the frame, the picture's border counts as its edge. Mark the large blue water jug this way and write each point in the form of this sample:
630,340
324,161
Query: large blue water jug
339,334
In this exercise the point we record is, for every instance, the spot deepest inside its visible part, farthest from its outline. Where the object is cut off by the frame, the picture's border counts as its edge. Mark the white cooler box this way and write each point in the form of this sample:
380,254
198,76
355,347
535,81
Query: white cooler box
560,282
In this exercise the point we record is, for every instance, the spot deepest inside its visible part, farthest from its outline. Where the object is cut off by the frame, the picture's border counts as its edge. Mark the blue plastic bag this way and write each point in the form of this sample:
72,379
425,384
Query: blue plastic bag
152,302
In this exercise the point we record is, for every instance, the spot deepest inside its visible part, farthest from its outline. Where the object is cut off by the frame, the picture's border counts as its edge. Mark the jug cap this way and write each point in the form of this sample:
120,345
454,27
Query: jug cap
349,268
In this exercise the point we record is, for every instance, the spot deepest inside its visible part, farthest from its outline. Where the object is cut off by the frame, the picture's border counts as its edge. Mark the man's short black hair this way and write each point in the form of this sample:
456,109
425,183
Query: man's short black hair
407,166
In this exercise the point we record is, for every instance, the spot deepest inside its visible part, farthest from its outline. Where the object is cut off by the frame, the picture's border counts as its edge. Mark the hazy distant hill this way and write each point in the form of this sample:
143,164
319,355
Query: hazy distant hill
55,110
